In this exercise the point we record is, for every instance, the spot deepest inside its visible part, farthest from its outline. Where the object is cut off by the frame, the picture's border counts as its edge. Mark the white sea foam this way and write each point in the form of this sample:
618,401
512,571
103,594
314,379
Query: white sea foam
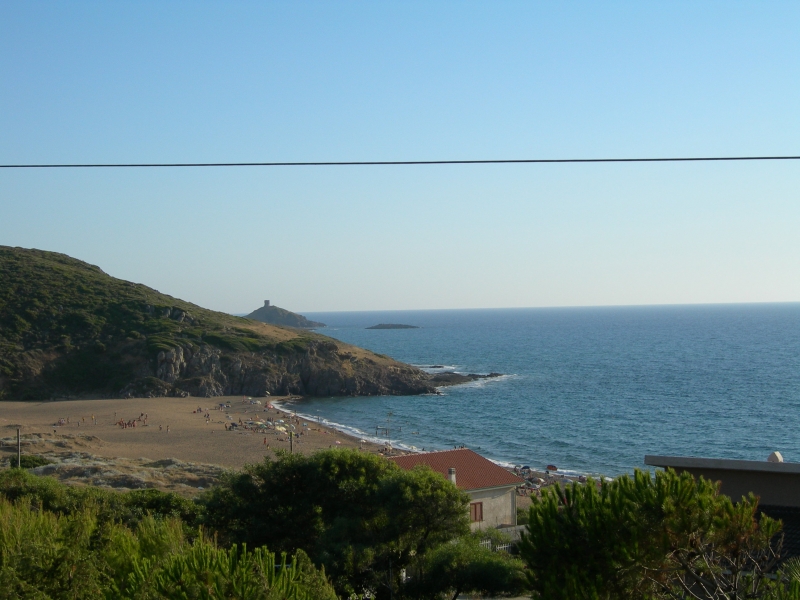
347,429
407,447
438,368
489,380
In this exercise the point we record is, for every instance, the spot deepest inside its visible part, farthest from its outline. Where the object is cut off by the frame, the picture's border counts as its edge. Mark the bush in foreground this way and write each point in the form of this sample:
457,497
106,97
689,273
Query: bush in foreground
359,515
467,565
668,536
46,555
46,493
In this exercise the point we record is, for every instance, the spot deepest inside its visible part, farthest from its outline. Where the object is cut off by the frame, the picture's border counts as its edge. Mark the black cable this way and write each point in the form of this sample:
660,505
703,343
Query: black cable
401,162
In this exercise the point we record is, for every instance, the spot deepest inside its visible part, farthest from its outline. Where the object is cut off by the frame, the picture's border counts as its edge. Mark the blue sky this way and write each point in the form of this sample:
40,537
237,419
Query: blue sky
185,82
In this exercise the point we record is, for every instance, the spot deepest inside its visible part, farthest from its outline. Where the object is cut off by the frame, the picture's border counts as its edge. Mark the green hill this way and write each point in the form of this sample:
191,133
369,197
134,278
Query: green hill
67,329
280,316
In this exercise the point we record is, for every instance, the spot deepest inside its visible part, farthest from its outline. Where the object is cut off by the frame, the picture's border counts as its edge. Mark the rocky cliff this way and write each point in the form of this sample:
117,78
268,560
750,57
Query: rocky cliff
67,329
321,368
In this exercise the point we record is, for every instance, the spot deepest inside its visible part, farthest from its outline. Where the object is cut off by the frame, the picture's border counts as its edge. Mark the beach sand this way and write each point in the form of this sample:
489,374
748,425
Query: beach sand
175,430
177,450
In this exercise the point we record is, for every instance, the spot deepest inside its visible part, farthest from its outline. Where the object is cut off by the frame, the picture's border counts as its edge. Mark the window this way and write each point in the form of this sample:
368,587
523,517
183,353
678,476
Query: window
476,512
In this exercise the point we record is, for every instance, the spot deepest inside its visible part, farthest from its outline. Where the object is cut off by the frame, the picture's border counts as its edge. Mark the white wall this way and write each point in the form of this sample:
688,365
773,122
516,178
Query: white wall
499,507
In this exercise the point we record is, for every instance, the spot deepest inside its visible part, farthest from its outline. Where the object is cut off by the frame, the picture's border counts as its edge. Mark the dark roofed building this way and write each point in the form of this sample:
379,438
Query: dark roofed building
492,489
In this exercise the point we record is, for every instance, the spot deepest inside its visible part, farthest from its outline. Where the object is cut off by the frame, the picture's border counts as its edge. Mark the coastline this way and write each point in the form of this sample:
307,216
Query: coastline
349,431
400,448
176,448
174,429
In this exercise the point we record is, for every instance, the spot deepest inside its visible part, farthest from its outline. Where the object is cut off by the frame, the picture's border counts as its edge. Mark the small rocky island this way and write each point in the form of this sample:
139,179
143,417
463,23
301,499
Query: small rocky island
392,326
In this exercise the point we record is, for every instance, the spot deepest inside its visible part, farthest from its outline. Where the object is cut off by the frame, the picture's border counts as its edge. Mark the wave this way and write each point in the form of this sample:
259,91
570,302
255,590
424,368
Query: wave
397,444
479,383
348,429
437,368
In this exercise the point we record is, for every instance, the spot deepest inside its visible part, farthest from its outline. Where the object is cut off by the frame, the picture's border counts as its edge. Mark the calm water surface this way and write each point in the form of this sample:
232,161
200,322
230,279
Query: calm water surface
591,390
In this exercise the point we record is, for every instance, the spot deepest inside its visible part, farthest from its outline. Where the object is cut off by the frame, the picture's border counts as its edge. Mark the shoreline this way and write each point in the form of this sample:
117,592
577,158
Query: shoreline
176,447
403,448
170,428
352,432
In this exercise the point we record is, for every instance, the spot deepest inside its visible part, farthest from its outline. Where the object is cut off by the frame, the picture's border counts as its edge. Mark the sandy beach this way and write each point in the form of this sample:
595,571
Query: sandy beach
176,433
175,428
175,444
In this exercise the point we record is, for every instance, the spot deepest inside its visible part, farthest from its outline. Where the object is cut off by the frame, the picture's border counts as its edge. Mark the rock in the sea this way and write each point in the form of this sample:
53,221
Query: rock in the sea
453,378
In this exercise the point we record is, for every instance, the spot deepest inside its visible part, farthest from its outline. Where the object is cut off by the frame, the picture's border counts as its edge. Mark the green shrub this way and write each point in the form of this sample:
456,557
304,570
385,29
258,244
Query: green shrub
47,555
293,346
649,537
160,343
523,516
129,508
28,461
359,515
233,342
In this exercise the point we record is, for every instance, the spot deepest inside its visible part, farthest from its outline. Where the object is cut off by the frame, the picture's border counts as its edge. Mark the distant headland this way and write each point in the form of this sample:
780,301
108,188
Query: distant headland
392,326
69,330
274,315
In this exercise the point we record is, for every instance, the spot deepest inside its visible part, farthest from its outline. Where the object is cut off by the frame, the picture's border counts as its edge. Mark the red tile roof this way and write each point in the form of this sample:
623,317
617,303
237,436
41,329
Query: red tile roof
473,472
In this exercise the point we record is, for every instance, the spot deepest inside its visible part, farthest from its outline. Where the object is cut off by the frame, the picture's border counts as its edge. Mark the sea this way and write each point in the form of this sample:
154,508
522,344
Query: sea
589,390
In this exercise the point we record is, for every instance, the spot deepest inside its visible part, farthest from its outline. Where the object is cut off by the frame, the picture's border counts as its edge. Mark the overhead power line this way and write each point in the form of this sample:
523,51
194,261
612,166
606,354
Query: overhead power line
368,163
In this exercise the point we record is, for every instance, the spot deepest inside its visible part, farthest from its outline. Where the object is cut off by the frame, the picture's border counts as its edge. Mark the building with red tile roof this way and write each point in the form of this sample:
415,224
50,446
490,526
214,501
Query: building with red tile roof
492,489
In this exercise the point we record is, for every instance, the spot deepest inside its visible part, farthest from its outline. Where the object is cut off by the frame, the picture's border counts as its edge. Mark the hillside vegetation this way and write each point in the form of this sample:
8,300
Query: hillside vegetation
67,329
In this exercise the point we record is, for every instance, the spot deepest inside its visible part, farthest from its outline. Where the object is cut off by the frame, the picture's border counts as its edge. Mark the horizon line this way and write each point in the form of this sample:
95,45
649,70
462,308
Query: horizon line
395,162
673,304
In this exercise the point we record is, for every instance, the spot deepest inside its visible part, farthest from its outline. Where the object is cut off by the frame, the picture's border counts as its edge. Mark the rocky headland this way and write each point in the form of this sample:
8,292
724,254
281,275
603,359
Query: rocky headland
274,315
69,330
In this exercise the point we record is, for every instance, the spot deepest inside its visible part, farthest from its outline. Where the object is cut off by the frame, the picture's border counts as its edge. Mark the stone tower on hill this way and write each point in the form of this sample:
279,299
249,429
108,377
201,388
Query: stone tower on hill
279,316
